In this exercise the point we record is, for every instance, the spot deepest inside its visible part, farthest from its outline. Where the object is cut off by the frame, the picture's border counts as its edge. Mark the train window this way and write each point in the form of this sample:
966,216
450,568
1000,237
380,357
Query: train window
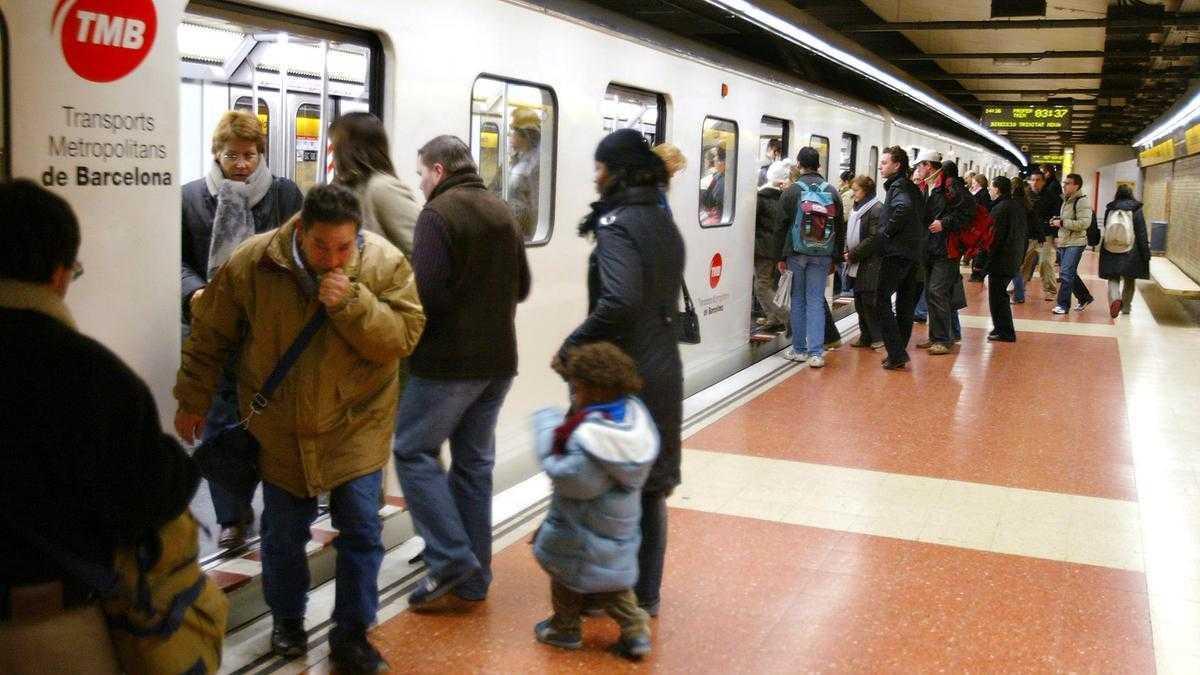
264,119
821,143
873,163
512,138
772,144
629,108
308,135
912,160
849,159
718,178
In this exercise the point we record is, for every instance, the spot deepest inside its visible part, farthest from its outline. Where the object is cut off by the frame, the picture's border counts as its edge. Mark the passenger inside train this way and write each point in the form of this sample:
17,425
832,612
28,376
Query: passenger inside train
508,317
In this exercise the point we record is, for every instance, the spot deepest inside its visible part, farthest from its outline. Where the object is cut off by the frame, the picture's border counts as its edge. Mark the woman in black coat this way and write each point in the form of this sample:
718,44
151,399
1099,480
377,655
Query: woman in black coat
1004,259
863,245
1131,265
634,277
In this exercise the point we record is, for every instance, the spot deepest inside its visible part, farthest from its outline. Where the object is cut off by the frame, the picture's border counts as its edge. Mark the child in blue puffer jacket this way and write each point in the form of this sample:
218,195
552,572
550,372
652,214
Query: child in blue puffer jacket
598,455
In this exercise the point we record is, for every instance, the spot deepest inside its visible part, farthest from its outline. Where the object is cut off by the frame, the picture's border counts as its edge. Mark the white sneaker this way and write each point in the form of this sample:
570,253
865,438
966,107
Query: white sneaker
816,362
793,355
1059,310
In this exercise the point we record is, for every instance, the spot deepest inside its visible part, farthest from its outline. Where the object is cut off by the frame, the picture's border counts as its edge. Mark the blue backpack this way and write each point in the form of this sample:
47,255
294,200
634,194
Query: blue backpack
813,230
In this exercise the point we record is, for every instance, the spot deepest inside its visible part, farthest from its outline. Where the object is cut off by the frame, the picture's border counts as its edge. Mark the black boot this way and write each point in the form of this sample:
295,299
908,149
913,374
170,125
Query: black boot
288,638
352,653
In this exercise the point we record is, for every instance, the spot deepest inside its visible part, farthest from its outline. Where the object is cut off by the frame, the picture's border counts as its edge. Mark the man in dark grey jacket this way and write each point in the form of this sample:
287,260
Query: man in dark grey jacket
900,225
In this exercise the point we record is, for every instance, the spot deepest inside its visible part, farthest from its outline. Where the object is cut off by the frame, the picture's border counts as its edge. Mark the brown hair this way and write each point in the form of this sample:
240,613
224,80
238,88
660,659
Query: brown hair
898,155
240,125
604,366
980,180
864,183
360,148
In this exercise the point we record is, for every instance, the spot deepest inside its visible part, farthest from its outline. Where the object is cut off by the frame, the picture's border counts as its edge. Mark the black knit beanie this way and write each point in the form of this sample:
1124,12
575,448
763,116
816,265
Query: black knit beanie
625,148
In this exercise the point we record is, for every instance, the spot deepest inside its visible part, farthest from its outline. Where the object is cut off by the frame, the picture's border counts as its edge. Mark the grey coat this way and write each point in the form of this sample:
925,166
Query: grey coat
589,541
867,253
389,208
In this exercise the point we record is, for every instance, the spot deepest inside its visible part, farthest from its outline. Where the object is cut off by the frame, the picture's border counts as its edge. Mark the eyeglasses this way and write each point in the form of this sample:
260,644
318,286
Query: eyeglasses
76,270
233,157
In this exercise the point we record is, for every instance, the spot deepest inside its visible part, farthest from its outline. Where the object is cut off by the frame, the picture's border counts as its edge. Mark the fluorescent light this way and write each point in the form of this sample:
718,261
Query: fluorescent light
805,39
1177,120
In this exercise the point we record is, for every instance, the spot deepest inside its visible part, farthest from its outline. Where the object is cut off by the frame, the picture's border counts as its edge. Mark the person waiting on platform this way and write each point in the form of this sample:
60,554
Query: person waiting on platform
863,244
769,235
236,200
1010,218
597,456
327,429
904,238
948,209
981,191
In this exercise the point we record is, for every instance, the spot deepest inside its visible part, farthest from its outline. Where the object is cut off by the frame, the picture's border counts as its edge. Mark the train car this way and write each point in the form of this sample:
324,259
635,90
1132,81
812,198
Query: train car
474,68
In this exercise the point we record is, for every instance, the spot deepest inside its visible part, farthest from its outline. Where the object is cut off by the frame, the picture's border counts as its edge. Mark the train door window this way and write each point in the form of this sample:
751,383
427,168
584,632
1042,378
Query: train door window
513,128
873,163
849,158
718,171
308,134
821,143
773,139
628,108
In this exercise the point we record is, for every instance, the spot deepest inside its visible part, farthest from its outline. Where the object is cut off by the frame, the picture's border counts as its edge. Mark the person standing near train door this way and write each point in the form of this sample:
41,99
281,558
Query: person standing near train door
237,199
634,281
903,240
363,164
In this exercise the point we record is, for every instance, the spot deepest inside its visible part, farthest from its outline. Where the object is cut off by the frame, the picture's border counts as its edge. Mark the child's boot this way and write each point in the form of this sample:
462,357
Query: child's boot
547,634
634,646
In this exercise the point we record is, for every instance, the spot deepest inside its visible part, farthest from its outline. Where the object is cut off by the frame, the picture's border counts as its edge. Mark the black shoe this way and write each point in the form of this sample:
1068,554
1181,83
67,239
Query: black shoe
634,647
288,638
352,653
233,536
546,634
1000,338
888,364
431,588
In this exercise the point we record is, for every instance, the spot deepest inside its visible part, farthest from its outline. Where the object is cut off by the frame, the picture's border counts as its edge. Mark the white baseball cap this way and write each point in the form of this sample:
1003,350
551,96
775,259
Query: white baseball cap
929,156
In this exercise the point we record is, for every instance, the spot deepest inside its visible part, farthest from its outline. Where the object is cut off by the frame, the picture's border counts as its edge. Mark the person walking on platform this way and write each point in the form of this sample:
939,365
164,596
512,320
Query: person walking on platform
1071,226
597,457
1021,196
1124,250
470,266
769,235
1004,260
948,209
363,164
327,429
1046,205
980,190
236,200
814,241
862,258
900,226
85,466
635,274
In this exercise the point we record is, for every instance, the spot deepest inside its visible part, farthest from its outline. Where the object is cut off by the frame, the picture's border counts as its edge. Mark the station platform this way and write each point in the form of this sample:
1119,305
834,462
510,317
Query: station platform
1010,507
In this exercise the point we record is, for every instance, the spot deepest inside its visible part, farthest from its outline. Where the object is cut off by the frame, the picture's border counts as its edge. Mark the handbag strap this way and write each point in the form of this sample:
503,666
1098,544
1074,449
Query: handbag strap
289,358
687,297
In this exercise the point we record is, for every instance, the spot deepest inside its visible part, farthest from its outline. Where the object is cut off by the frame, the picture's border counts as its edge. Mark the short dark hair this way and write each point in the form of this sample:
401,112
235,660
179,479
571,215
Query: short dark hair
1035,173
1123,192
775,144
450,151
847,175
949,169
38,232
1003,185
331,203
1075,178
721,153
604,366
809,158
898,155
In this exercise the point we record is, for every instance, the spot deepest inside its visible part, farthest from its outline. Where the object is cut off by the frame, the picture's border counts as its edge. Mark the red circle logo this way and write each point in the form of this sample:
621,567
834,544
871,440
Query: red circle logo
714,271
104,40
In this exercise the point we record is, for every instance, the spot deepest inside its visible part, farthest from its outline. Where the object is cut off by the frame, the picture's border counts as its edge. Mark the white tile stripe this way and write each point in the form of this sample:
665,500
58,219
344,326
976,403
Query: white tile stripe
1052,526
1047,326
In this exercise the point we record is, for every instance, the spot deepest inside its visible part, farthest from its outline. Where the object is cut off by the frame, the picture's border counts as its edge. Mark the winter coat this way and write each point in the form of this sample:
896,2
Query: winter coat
982,198
85,462
769,232
389,208
331,420
789,203
1076,217
1046,205
867,253
901,221
955,207
634,278
589,541
1135,262
1010,220
282,202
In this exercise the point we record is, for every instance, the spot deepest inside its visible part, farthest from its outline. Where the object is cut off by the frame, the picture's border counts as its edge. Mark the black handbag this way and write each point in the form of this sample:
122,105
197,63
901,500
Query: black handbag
230,457
688,324
1093,232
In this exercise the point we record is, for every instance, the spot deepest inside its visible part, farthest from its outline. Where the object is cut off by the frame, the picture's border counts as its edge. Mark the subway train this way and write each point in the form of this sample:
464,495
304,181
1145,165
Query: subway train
480,69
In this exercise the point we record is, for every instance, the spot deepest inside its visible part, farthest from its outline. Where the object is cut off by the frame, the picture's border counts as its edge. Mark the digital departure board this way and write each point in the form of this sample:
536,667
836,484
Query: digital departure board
1050,118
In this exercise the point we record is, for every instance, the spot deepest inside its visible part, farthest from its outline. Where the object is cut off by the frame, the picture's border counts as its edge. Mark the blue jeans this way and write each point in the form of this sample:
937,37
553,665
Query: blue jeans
1018,288
286,520
955,325
922,310
808,302
1071,283
452,512
231,509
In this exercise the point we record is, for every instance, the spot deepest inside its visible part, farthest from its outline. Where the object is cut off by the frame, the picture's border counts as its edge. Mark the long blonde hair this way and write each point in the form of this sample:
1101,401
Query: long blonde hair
672,156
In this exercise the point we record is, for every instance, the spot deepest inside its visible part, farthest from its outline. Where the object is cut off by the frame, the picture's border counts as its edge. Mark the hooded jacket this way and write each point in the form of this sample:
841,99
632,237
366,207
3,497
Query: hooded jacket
589,541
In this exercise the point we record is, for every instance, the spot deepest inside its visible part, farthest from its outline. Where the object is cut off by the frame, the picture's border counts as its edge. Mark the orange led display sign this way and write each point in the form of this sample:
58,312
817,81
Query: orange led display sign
1027,117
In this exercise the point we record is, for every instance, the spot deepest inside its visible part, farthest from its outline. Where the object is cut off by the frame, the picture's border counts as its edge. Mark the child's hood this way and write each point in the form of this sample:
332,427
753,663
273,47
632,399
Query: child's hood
625,448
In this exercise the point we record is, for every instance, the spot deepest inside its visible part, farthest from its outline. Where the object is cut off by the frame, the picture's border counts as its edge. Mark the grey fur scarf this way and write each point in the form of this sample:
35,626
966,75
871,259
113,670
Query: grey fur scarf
233,222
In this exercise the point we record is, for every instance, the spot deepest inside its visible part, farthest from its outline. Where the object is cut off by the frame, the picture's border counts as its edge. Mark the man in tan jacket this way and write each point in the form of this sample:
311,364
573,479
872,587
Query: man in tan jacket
328,427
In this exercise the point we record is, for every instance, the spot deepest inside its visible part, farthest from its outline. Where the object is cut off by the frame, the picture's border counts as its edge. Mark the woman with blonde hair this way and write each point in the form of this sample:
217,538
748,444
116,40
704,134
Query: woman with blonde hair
675,161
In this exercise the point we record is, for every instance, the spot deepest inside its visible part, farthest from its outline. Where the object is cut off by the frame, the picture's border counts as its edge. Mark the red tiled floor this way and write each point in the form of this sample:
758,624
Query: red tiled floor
741,596
1045,413
227,581
1038,309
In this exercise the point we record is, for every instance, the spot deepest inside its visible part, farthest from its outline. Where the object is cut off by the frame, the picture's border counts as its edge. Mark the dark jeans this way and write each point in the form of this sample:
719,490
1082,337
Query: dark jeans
998,304
942,276
898,276
1071,283
864,306
286,520
452,512
652,554
231,509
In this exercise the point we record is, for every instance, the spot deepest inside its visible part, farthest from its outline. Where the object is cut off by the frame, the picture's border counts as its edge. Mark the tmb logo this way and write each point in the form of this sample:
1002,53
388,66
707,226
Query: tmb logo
714,271
104,40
